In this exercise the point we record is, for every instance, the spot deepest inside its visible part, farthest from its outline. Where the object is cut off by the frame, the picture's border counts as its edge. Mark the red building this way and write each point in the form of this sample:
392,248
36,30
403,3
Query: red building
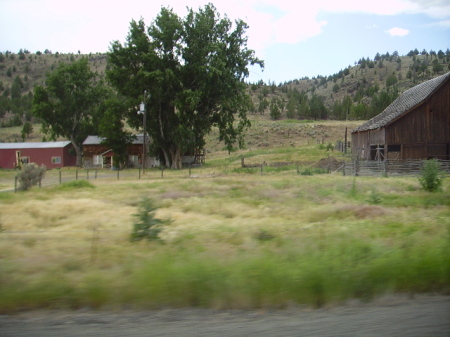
49,154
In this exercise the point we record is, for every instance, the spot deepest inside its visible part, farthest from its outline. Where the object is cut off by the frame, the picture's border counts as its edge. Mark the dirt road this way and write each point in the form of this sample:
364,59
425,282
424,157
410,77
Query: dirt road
394,316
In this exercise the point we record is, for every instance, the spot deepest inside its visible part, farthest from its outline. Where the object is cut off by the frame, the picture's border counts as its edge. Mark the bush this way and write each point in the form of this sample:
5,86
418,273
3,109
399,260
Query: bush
148,227
429,177
30,175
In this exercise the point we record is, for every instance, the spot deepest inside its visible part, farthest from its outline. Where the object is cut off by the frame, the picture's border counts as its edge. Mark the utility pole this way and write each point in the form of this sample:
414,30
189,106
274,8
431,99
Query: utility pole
144,146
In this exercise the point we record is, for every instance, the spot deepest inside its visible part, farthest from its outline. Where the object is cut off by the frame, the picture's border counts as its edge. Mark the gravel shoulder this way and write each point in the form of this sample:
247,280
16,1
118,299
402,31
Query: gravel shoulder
423,316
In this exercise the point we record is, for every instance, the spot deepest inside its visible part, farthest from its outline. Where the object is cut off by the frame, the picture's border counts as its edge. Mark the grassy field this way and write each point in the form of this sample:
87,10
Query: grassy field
234,239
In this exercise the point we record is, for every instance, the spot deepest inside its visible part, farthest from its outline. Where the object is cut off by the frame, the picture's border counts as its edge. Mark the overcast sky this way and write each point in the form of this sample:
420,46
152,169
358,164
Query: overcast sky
295,38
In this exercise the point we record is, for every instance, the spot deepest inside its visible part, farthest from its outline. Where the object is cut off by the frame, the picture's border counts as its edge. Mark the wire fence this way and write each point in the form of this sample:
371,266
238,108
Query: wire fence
57,177
384,168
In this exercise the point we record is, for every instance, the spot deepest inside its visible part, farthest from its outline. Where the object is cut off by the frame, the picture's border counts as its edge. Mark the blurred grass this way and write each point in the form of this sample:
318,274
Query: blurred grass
235,241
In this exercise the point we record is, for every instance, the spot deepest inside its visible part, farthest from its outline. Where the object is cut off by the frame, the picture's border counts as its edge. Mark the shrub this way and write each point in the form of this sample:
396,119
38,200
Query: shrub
148,227
75,184
30,175
374,198
429,177
306,172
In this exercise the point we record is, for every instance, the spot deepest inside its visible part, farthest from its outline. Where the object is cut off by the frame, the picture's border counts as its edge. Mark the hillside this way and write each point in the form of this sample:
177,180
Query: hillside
355,93
358,92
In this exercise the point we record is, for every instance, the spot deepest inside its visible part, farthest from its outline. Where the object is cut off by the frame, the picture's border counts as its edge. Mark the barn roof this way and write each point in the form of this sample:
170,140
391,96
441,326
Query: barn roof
41,145
404,103
96,140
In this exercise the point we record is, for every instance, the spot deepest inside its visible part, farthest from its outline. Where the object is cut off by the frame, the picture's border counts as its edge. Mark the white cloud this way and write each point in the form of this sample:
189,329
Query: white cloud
372,7
90,25
396,31
441,24
434,8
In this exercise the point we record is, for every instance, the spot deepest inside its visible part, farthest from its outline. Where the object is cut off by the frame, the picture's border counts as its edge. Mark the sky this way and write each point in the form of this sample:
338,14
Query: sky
295,38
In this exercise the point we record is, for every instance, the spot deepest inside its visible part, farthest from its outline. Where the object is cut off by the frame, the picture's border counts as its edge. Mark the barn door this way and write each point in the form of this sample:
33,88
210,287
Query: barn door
18,162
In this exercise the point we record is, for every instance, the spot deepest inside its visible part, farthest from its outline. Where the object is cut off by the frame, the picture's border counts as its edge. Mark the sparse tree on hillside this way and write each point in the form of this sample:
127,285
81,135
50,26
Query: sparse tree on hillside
391,80
292,108
274,110
317,107
437,67
194,69
68,105
27,129
303,110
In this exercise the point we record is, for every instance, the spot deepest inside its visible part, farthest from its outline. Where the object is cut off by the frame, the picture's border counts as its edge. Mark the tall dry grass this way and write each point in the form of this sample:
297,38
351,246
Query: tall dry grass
234,241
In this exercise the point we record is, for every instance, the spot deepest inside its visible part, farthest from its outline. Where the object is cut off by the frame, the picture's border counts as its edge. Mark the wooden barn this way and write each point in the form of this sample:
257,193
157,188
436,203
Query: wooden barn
97,155
49,154
415,126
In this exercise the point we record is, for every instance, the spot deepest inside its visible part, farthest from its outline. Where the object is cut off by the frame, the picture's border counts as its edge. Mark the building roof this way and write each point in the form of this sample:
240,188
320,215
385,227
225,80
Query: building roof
404,103
96,140
41,145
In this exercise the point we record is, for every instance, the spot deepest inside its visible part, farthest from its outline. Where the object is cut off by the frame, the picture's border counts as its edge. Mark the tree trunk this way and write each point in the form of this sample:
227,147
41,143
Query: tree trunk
166,157
78,153
176,158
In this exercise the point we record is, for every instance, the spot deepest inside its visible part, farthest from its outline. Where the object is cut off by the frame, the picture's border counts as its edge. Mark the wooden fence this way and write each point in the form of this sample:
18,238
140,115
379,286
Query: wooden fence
390,168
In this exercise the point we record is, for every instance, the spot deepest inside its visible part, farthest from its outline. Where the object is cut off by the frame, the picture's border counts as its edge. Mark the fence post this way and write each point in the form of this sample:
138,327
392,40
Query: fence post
262,169
118,174
343,169
385,167
60,177
189,170
87,174
15,184
162,171
139,174
40,182
76,174
356,166
95,174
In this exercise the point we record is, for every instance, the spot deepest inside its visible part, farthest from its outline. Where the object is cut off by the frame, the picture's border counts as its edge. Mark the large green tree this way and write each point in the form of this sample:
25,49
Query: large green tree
112,129
193,70
68,104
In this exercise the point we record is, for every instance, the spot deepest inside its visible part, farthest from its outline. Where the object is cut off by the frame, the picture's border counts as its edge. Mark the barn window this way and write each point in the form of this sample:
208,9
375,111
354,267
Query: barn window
134,160
394,148
97,160
56,160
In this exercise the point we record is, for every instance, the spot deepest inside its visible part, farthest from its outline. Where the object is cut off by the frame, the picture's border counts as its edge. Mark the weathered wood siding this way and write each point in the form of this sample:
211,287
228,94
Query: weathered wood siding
421,133
427,123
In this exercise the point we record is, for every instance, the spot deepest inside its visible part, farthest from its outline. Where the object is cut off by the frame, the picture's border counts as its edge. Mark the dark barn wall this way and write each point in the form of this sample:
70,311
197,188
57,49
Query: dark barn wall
424,132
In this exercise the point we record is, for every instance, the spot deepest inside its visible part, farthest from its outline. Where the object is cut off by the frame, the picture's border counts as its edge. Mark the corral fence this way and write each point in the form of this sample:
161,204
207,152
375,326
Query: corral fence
389,167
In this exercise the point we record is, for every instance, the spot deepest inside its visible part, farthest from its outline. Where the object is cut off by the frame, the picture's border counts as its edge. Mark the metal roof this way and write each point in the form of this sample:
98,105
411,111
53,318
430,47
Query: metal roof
41,145
96,140
404,103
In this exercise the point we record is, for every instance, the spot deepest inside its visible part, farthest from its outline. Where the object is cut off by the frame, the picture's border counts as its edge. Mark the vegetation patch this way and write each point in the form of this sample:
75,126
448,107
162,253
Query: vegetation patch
76,184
